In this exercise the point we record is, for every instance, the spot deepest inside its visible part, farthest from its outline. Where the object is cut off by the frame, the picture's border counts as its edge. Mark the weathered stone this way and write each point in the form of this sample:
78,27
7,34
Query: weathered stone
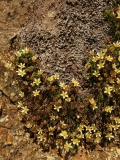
9,140
2,84
7,151
2,153
3,135
4,119
82,156
11,93
1,158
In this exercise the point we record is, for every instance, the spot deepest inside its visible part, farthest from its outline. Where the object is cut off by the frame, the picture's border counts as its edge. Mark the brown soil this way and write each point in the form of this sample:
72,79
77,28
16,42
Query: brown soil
61,32
12,17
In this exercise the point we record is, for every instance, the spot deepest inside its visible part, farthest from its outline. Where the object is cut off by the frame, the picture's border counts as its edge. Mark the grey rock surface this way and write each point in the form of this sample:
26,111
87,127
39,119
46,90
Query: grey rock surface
63,34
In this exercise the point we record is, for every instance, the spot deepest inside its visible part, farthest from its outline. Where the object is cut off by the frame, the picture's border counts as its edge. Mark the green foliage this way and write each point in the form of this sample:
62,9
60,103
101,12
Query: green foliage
108,16
116,2
113,17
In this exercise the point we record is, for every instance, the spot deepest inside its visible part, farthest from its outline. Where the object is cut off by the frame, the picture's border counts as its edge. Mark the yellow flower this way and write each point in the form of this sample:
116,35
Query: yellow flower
20,104
117,70
18,54
108,109
93,127
63,123
67,146
96,73
100,55
117,44
94,58
104,50
113,65
64,134
98,134
92,101
88,135
26,50
116,127
64,94
21,72
118,14
41,137
36,92
59,144
40,131
110,127
119,58
57,108
8,65
63,85
32,84
56,76
21,65
36,81
108,90
51,78
52,117
82,125
113,88
94,106
29,125
80,128
80,136
75,141
92,52
88,128
109,58
118,80
25,110
39,72
34,57
117,120
111,80
68,99
21,94
100,65
51,129
109,136
97,140
75,82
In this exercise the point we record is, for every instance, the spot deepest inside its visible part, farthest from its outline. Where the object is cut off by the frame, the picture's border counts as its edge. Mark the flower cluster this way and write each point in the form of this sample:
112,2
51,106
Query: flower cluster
103,72
50,108
55,112
113,16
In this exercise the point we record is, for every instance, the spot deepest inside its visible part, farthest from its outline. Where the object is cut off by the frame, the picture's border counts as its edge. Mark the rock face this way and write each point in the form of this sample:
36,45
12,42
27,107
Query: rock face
12,17
61,32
